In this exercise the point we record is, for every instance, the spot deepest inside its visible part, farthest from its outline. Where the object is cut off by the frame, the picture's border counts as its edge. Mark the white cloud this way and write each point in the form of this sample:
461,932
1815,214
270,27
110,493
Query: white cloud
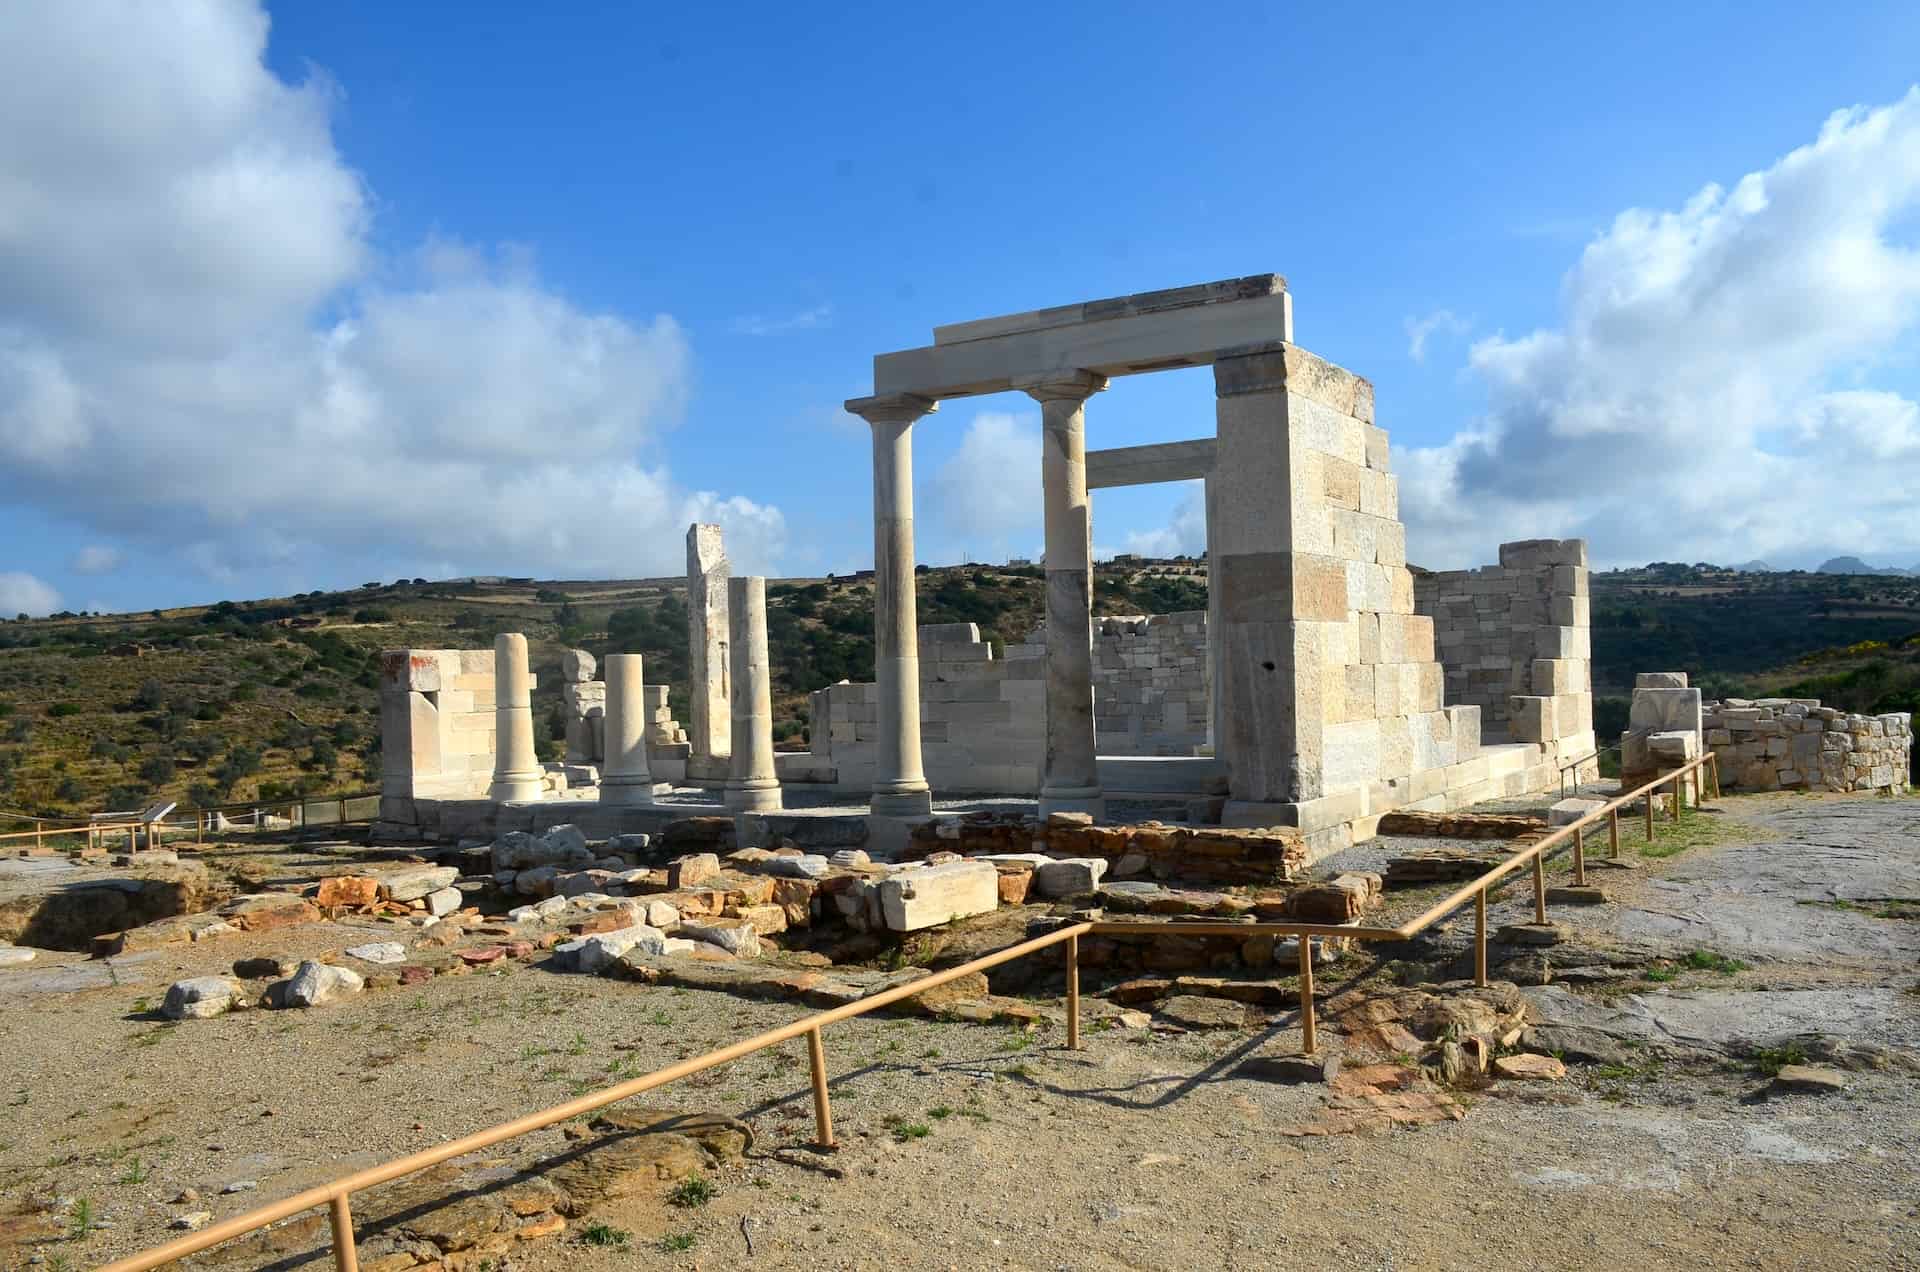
986,497
1185,533
199,340
24,594
1439,322
95,559
1708,392
761,325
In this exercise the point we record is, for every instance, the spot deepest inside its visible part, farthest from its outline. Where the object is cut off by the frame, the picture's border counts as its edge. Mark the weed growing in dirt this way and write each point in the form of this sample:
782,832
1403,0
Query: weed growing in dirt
1708,961
136,1172
600,1234
80,1219
939,1112
1660,975
692,1192
677,1242
1768,1061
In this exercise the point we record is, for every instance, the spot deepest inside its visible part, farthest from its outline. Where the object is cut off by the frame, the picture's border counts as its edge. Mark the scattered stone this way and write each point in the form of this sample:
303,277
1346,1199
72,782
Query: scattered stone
1811,1079
594,954
1289,1070
1568,811
1577,1043
482,955
1133,1019
736,936
850,857
240,1186
199,998
347,892
692,871
379,952
631,844
192,1222
268,911
1074,877
1529,1066
912,900
316,985
1577,894
10,955
662,915
412,883
415,974
444,902
804,867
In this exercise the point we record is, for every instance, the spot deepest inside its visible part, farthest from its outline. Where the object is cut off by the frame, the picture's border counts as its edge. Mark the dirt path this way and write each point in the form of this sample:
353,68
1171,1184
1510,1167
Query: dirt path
1145,1150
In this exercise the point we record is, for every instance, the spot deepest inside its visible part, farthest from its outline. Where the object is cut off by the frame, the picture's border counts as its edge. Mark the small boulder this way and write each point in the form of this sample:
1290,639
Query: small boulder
347,891
594,954
1808,1079
270,967
662,915
1073,877
316,985
693,870
1529,1066
444,902
414,882
736,936
631,844
200,998
11,955
850,857
1289,1070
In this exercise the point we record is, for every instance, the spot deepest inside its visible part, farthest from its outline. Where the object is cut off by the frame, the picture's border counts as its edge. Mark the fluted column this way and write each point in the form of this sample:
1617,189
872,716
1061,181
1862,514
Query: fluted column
624,776
751,780
516,765
900,781
1070,782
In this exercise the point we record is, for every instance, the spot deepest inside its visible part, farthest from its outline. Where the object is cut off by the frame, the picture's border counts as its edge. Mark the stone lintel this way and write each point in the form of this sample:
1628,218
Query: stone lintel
1151,464
1226,290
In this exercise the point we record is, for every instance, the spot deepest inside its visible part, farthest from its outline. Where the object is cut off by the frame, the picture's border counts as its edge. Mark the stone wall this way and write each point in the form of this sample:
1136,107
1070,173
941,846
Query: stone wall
980,718
436,725
1151,685
1795,743
1514,639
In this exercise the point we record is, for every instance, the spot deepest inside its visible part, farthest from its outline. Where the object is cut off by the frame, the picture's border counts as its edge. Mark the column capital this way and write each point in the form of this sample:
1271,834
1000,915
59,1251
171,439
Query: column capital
1060,386
892,408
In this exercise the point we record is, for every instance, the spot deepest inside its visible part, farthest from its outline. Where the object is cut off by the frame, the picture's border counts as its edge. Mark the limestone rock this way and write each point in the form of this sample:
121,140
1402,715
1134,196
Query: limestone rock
848,857
10,955
594,954
1567,811
379,952
662,915
316,985
354,891
631,844
808,866
265,968
541,881
1192,1011
692,871
1530,934
577,666
562,846
415,882
1529,1066
1811,1079
199,998
1073,877
736,936
912,900
1577,1043
444,902
1289,1070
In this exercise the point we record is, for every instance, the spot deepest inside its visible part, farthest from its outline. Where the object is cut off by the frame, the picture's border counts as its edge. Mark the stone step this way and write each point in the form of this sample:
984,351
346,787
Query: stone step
1162,775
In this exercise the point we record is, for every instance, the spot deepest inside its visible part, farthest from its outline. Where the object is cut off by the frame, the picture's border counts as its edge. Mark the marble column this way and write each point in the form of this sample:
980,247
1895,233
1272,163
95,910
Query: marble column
1070,780
516,765
624,777
751,781
709,723
899,782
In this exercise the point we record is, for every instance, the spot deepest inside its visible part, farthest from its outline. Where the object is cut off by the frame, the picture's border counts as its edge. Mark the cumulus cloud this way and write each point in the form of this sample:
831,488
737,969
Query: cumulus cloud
195,323
24,594
1439,322
1185,533
1717,386
986,496
95,559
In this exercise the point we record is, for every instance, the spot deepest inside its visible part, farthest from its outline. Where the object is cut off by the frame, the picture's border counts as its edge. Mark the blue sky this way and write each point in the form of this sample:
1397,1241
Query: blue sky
356,290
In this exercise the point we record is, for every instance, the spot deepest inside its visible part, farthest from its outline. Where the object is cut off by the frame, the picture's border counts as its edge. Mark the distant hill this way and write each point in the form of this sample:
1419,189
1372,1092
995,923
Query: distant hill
1755,567
1854,565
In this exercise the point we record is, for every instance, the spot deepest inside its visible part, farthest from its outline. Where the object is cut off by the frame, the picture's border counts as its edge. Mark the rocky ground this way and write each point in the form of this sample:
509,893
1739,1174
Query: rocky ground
1779,937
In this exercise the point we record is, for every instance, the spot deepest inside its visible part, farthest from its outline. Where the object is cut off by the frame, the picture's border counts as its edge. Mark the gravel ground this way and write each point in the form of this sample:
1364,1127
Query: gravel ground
1142,1151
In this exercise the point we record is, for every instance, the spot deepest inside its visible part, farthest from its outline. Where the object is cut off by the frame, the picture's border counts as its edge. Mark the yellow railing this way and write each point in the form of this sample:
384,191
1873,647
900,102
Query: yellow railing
337,1195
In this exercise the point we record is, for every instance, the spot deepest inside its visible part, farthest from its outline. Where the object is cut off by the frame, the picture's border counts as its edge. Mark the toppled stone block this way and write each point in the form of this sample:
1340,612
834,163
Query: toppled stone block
848,857
1568,811
563,846
594,954
629,845
414,882
912,900
1529,1066
378,952
443,902
347,892
13,955
541,881
736,936
1073,877
1809,1079
692,871
268,911
199,998
662,915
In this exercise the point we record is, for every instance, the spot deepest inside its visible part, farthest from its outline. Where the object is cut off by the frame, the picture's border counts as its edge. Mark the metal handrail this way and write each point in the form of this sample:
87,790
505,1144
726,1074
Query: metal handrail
336,1195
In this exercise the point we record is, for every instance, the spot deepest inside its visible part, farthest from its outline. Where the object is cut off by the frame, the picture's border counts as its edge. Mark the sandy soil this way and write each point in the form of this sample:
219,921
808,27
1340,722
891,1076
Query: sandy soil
1145,1150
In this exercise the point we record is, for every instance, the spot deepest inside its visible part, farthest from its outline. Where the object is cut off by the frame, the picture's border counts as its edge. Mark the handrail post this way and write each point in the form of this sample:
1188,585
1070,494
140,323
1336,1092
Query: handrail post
1480,938
1307,1041
1613,833
822,1109
1073,993
1539,887
345,1256
1580,857
1679,792
1649,816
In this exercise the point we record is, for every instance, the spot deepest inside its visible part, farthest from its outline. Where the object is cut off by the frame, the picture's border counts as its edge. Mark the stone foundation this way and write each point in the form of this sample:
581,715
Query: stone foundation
1796,744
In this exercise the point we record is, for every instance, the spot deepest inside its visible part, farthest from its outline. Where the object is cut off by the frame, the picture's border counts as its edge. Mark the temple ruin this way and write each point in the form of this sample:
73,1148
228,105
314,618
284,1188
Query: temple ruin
1326,684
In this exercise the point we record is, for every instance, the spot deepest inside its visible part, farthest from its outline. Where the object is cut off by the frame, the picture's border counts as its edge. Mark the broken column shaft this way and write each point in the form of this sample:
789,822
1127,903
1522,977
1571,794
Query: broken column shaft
516,765
751,781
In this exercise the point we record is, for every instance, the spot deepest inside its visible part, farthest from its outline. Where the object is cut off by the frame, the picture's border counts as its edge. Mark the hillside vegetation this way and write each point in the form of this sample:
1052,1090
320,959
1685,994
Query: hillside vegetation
276,698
